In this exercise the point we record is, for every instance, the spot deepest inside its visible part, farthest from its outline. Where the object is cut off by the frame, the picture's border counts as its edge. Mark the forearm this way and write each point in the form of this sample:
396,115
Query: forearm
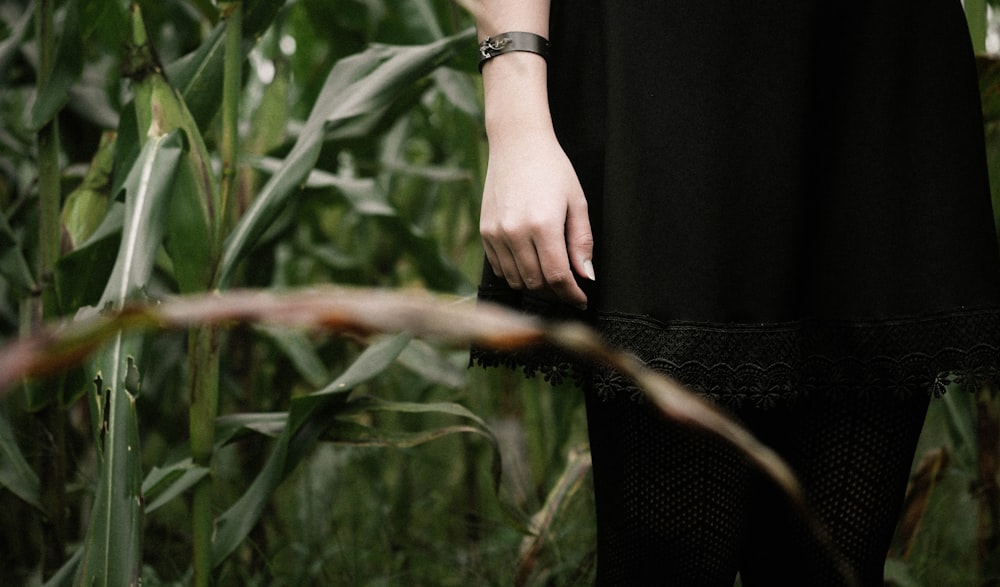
514,84
534,221
499,16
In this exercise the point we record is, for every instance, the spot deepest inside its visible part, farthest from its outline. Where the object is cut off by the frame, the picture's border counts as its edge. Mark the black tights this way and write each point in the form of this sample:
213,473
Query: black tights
679,507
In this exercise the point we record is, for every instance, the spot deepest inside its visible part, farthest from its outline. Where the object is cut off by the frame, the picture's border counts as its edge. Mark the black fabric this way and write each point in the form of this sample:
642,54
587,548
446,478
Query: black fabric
788,197
678,507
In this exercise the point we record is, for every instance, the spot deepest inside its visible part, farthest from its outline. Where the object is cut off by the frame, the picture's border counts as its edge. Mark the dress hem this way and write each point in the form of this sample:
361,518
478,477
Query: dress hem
774,364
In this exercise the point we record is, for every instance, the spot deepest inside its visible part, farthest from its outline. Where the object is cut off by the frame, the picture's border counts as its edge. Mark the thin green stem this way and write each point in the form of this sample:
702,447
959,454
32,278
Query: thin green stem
203,347
232,84
203,353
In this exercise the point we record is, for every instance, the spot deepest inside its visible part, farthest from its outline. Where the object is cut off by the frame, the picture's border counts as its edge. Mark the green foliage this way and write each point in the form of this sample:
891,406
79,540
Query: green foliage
66,68
146,221
16,474
356,95
111,547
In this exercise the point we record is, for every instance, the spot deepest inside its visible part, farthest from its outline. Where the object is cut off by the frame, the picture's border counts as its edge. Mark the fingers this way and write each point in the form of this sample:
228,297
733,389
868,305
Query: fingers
514,260
512,255
580,239
557,273
493,258
539,264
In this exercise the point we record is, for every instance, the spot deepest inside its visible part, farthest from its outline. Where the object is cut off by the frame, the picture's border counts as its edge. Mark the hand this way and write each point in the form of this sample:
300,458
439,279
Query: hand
534,220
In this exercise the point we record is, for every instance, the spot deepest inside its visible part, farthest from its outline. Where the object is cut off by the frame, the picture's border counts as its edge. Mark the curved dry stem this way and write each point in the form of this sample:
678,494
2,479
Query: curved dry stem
364,312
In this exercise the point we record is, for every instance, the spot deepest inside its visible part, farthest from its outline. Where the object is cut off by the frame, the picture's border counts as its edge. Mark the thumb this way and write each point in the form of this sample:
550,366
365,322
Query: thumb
580,240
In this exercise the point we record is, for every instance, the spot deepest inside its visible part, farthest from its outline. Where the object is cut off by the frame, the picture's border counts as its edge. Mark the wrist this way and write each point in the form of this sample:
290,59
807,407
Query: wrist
517,122
515,94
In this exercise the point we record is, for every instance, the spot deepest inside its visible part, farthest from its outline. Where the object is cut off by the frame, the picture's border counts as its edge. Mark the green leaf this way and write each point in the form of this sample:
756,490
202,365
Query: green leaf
147,187
899,574
207,9
380,75
367,198
82,275
975,15
113,546
17,31
194,208
15,472
354,434
197,76
370,363
108,19
460,91
274,424
960,408
85,207
65,575
127,146
164,484
82,213
373,404
13,266
66,67
258,15
189,235
361,436
231,427
296,346
431,364
988,70
307,419
439,273
356,87
362,193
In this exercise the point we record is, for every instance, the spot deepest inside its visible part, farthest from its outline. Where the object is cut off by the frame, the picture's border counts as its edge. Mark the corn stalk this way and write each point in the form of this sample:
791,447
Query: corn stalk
204,349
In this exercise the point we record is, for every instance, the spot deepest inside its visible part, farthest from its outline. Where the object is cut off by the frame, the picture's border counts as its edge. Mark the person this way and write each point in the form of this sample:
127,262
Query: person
783,205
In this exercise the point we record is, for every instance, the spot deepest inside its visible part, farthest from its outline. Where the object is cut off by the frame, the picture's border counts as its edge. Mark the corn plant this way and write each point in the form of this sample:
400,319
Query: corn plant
173,202
161,216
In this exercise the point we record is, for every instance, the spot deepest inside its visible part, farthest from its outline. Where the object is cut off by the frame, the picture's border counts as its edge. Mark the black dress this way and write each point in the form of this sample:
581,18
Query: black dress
788,198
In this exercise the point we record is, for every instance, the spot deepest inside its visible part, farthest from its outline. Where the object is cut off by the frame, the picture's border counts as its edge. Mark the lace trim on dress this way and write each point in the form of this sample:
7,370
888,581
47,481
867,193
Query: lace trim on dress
768,364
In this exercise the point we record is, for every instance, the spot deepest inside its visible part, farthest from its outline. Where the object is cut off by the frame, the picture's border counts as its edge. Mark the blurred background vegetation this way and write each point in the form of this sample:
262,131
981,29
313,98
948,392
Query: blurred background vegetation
340,157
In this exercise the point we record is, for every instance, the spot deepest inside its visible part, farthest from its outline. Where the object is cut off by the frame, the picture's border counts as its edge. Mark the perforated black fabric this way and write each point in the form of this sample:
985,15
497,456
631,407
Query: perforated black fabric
678,507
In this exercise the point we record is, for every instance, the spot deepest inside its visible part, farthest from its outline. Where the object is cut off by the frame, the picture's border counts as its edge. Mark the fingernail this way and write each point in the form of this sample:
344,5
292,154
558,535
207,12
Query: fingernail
588,268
